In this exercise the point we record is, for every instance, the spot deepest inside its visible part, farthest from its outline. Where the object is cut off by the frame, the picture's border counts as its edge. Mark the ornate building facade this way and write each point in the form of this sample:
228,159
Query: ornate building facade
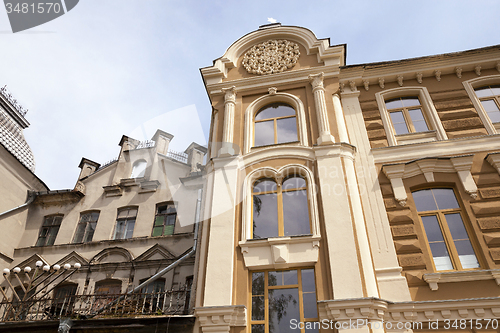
349,198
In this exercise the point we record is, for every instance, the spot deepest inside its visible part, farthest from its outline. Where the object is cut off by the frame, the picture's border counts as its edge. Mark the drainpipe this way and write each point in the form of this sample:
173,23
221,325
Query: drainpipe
31,198
166,269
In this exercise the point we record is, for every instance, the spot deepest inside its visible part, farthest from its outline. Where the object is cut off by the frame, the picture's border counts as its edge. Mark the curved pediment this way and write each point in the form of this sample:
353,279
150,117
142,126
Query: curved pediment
280,47
114,254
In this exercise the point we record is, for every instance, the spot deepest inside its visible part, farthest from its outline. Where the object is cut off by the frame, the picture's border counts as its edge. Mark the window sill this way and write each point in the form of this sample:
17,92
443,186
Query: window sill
280,252
416,137
461,276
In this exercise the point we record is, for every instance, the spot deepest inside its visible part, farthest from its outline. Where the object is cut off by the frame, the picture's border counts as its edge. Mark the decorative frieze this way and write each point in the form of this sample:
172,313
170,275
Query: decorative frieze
272,56
218,319
372,310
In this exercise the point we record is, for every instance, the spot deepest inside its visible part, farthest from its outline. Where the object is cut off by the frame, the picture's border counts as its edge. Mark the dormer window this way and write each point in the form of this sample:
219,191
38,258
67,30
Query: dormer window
138,169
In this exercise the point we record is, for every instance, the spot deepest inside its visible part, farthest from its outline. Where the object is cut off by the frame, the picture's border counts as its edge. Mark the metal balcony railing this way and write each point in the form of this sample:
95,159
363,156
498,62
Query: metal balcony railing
172,302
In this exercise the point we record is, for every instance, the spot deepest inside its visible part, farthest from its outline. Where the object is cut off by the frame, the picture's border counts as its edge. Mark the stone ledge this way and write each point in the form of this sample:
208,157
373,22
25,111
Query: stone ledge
221,318
460,276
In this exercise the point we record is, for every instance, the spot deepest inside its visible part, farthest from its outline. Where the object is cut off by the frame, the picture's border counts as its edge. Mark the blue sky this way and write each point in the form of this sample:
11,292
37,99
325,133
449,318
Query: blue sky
114,67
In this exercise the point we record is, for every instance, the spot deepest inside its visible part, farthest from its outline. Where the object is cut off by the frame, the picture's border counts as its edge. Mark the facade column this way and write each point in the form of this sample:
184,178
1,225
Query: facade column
325,137
228,130
339,118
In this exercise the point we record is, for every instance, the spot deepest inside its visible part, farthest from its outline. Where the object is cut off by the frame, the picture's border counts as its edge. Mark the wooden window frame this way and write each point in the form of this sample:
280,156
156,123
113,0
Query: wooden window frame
85,231
49,228
279,194
166,218
290,286
406,115
275,125
127,219
495,98
445,230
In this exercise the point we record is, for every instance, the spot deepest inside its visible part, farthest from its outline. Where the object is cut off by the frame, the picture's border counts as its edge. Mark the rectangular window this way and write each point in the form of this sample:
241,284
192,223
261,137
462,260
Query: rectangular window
490,100
86,227
281,296
164,220
125,223
49,230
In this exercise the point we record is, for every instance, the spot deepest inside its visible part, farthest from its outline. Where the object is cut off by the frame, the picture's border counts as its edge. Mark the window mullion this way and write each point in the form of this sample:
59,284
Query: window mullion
409,123
301,301
266,302
281,224
275,131
449,241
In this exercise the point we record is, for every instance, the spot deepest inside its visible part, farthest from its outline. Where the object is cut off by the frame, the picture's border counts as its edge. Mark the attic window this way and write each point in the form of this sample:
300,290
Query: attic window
139,169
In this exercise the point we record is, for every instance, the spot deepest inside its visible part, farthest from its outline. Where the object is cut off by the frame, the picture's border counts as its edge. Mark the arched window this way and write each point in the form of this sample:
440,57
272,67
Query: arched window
138,169
108,287
275,123
444,227
489,96
280,209
406,115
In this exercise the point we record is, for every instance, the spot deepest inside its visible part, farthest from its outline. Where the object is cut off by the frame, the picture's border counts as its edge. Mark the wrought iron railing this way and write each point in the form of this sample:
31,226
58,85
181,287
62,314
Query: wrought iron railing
172,302
5,92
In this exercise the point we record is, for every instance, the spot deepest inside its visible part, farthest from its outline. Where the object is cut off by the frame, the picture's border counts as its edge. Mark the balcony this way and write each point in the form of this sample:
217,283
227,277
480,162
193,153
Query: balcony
107,306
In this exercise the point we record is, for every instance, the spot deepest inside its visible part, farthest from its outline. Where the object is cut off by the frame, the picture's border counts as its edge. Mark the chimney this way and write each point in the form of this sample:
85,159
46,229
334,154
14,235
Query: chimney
195,154
128,143
88,167
162,140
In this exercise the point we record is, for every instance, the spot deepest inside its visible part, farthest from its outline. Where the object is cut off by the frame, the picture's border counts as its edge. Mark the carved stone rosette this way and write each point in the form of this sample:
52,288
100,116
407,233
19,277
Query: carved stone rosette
273,56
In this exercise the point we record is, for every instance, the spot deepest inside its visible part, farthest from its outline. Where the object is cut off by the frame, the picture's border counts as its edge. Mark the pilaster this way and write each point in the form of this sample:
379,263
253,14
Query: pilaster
325,137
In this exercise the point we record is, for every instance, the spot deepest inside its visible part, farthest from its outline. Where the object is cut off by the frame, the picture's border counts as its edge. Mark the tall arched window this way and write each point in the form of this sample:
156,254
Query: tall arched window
444,227
280,209
275,123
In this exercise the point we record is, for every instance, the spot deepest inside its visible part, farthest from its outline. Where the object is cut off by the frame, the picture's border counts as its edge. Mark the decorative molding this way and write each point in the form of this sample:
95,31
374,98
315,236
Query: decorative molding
458,72
280,252
377,310
352,84
477,69
494,160
316,80
229,94
460,276
381,81
400,80
366,83
428,166
419,77
272,56
272,91
341,87
437,74
221,318
463,165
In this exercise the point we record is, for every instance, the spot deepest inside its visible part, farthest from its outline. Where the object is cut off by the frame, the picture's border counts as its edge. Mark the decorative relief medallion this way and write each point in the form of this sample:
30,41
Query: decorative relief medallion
273,56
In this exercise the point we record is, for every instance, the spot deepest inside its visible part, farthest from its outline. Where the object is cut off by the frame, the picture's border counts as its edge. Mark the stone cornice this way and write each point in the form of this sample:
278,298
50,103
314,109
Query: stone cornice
414,151
432,67
471,275
375,309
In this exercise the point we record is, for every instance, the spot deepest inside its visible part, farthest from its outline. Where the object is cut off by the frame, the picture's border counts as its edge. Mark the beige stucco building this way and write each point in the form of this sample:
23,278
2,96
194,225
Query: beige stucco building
341,194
